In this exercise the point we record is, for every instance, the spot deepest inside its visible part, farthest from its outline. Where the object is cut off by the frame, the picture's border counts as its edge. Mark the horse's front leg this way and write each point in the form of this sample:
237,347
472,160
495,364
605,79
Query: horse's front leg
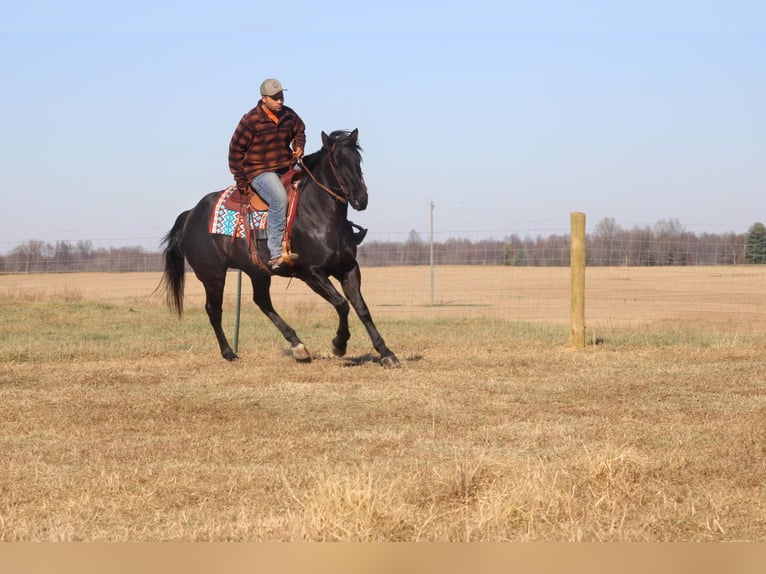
321,285
262,298
352,288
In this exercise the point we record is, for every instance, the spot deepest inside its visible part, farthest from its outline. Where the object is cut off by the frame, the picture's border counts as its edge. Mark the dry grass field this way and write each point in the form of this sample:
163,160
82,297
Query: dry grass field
120,422
730,299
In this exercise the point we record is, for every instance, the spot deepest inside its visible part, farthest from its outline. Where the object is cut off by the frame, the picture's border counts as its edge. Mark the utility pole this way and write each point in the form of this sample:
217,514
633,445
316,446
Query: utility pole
432,253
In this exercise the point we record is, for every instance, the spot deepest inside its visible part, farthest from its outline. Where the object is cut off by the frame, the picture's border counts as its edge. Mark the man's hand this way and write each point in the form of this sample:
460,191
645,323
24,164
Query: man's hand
298,153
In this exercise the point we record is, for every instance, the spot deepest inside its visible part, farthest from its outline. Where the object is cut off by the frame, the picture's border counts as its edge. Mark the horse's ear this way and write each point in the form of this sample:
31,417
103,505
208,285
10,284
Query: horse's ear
355,135
325,140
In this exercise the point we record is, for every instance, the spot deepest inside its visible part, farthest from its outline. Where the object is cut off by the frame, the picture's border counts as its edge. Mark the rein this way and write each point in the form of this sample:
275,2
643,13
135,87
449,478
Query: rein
323,186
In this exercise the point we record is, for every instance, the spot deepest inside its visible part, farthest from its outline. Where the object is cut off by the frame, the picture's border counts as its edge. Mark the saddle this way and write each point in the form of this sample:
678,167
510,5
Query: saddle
291,180
247,204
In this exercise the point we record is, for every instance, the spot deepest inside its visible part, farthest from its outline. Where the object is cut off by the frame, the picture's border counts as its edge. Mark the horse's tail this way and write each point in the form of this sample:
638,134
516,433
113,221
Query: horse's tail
174,275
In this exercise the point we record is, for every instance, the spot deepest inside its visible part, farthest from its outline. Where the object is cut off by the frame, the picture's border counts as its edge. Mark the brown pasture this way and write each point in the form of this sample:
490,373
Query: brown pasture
725,299
120,422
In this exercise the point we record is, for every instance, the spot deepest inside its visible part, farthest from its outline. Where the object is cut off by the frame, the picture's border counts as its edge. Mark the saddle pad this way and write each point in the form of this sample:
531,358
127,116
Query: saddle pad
226,221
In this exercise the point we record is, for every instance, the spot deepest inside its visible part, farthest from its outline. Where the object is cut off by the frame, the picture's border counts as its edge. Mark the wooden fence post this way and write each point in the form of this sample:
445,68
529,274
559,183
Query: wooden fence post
577,264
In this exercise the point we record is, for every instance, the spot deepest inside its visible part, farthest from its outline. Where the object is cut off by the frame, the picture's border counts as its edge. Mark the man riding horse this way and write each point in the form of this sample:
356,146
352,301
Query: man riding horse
322,233
268,140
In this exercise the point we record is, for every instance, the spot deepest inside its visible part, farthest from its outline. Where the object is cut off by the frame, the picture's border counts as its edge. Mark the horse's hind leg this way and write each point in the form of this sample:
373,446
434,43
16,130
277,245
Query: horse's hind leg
262,298
214,308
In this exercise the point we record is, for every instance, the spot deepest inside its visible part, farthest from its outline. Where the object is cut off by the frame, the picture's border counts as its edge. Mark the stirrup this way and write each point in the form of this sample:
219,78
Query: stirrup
277,263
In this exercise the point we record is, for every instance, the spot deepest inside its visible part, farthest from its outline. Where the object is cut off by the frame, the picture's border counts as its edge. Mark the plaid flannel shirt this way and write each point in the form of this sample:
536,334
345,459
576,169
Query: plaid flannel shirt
260,145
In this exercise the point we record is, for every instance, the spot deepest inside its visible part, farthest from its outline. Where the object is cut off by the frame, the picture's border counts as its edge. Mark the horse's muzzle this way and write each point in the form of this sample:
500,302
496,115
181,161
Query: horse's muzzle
360,204
359,200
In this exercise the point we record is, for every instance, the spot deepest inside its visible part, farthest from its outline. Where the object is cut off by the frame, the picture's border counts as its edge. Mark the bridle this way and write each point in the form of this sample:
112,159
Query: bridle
344,197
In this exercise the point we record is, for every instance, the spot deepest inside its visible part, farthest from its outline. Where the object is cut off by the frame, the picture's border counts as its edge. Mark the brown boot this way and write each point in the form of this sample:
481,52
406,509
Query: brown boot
281,262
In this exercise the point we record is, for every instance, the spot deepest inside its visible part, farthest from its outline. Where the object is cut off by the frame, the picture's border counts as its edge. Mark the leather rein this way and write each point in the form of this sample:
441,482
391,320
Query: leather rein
342,199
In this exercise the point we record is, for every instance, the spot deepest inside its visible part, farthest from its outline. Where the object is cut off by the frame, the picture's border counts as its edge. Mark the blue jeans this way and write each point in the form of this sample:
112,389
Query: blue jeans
270,188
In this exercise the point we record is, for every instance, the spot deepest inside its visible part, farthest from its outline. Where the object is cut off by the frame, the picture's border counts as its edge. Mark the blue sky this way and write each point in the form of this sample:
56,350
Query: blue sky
507,115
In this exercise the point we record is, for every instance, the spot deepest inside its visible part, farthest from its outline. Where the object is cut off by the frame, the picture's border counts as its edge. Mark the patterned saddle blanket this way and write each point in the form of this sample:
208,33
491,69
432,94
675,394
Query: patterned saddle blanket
231,209
227,216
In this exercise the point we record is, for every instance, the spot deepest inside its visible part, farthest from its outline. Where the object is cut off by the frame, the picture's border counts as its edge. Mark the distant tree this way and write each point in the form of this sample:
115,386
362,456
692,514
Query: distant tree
29,256
668,235
414,238
668,227
755,248
730,248
63,256
514,254
605,247
607,228
415,250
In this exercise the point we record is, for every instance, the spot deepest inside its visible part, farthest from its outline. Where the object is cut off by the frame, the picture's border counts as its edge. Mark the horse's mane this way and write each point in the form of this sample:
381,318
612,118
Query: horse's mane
340,137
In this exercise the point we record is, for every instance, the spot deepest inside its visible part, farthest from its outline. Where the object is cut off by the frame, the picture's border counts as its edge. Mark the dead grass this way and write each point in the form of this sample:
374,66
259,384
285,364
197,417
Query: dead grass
118,422
726,299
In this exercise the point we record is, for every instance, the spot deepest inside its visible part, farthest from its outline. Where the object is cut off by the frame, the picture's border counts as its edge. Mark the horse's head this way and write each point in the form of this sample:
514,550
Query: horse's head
345,158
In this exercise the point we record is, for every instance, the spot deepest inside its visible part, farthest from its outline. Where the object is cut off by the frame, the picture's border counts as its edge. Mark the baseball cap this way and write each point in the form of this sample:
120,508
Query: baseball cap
271,87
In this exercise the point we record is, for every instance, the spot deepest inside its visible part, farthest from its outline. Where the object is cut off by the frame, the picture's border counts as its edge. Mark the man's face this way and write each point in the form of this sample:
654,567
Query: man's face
275,102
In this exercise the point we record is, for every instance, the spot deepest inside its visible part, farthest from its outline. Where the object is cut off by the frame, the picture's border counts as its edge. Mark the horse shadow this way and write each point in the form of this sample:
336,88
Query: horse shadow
358,361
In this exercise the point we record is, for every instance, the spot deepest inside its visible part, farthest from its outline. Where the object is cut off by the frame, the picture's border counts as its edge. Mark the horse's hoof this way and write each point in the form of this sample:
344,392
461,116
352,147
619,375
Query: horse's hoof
338,350
230,356
300,353
390,362
338,347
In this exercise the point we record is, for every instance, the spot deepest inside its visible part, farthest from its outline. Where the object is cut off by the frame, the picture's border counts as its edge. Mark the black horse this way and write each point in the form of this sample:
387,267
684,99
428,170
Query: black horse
321,234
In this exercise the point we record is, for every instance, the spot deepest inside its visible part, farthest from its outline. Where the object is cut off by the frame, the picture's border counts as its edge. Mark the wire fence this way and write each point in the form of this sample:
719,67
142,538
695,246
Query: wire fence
636,279
547,248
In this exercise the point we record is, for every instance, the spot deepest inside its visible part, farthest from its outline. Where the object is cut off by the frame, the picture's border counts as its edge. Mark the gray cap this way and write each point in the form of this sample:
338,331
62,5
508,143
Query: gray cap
271,87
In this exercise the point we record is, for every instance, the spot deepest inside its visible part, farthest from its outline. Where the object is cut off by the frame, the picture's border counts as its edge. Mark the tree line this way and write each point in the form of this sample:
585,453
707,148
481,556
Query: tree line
66,257
664,243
